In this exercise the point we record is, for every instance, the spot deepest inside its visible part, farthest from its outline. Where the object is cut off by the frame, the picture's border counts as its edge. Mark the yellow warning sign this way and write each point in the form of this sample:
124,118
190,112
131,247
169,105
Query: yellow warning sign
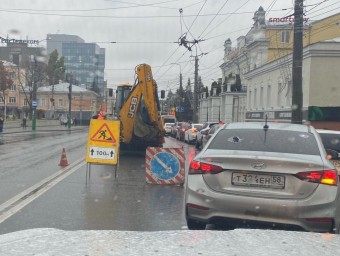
104,134
103,142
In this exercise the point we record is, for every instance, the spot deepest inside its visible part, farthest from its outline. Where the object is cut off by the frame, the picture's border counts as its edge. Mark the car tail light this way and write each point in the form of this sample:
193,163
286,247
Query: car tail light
201,168
328,177
196,206
183,130
193,130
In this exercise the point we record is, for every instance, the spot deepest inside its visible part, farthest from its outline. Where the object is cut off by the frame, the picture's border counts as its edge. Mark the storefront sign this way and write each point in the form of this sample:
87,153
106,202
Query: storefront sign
18,41
285,20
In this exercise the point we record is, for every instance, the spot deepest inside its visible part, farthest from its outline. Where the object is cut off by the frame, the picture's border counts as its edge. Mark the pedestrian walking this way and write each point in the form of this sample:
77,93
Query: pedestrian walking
24,120
1,123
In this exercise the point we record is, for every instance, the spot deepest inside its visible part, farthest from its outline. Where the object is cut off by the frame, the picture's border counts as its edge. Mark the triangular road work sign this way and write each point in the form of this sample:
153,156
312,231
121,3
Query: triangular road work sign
104,135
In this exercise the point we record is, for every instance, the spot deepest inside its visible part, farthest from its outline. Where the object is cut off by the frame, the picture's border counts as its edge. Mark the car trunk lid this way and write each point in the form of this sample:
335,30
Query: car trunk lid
271,175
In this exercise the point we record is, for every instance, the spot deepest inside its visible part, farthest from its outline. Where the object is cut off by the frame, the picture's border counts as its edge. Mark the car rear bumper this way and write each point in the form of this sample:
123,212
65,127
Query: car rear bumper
208,206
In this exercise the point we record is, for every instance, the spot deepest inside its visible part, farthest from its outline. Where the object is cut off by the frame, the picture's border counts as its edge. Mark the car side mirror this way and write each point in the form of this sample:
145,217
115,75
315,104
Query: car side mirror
332,154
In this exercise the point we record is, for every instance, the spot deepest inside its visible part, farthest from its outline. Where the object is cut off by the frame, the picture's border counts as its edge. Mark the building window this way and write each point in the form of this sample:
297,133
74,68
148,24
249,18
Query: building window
269,98
12,75
1,99
12,99
60,102
13,87
43,103
25,102
285,37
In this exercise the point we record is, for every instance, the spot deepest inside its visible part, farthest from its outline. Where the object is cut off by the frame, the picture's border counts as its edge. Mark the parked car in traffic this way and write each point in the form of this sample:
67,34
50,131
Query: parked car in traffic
331,141
168,128
267,174
64,120
190,134
203,132
208,134
181,130
174,130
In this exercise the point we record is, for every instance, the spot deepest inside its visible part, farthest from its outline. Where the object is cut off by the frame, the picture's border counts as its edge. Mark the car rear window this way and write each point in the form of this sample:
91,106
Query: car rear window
280,141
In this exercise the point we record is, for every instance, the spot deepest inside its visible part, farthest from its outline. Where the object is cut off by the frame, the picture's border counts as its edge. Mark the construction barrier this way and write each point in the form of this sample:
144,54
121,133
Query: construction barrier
165,166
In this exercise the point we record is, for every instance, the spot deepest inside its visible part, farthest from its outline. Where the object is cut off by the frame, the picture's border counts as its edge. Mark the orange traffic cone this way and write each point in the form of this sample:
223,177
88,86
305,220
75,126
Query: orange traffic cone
63,160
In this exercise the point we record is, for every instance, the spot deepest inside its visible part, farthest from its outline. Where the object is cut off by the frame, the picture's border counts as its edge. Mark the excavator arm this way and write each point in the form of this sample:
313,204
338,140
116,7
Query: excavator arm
139,114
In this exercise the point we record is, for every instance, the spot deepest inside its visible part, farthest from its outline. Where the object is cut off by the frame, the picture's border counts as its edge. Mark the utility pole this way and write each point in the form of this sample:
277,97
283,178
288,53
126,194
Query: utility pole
81,109
297,94
195,117
69,102
34,96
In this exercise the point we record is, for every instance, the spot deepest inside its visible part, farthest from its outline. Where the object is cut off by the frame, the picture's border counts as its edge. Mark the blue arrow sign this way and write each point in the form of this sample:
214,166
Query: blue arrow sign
165,165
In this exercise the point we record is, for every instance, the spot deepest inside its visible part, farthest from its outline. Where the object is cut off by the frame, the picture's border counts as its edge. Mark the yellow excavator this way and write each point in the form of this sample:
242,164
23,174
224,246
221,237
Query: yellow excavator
137,107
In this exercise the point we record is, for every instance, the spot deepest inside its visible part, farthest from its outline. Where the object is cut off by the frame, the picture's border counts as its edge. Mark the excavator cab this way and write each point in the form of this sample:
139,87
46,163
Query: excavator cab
122,93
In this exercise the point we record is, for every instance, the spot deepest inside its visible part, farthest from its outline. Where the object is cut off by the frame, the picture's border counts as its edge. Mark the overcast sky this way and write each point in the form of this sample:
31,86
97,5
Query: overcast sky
147,31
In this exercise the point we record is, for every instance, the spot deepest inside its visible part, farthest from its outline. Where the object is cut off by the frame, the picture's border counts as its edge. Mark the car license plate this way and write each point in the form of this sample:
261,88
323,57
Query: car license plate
258,180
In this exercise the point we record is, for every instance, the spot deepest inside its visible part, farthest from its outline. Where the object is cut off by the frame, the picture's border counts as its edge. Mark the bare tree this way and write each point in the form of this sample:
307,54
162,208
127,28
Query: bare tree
5,82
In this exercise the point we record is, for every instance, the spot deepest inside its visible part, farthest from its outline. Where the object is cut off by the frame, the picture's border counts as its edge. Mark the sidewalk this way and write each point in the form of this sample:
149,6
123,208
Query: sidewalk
41,125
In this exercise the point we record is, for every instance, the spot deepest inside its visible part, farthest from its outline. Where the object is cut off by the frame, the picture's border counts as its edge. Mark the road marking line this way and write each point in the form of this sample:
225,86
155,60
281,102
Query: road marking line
16,203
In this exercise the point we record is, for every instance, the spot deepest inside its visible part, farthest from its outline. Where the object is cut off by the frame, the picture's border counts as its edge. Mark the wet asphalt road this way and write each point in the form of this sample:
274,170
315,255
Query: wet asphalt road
105,201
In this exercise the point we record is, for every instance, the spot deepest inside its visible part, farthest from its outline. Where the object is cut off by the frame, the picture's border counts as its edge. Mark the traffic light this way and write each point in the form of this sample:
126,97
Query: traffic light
162,94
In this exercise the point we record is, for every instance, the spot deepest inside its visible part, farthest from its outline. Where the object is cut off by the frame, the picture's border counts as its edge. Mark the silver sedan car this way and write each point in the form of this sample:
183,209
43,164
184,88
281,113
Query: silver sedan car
264,174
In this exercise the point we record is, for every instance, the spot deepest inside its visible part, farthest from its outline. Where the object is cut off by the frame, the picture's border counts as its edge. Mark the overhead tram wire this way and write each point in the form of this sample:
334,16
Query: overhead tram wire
222,20
214,17
115,17
196,17
181,10
99,9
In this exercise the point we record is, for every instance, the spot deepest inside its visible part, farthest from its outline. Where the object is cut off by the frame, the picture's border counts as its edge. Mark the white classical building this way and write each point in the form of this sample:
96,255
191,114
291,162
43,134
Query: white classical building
257,74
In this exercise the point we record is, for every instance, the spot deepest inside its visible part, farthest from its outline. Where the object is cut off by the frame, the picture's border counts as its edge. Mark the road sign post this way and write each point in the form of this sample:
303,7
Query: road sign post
103,142
34,114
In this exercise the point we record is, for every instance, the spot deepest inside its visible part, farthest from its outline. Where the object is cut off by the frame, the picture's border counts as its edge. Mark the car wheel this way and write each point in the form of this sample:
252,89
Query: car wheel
195,224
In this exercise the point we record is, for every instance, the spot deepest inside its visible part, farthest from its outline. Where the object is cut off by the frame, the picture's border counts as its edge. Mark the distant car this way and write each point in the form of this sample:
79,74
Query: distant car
64,120
203,132
174,130
271,175
167,128
181,130
331,141
190,134
210,133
